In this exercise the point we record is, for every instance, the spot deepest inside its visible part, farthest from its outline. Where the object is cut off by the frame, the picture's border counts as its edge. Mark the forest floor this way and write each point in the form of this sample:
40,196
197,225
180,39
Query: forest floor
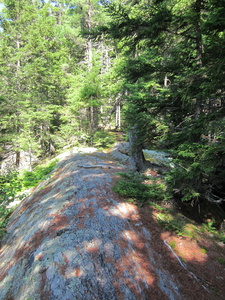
74,238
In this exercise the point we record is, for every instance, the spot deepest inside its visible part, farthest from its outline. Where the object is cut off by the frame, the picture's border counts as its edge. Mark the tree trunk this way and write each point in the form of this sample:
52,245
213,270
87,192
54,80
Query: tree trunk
89,42
118,122
18,159
199,51
137,157
118,107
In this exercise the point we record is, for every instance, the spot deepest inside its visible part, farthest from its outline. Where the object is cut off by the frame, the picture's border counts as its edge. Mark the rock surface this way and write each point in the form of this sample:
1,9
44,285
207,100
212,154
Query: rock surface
73,238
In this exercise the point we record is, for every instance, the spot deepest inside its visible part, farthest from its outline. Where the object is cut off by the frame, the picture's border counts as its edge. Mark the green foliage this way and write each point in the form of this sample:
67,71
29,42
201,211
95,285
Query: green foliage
171,223
103,139
58,85
32,178
222,237
175,90
12,184
132,185
184,183
203,250
4,215
199,172
54,81
209,226
221,260
172,244
158,207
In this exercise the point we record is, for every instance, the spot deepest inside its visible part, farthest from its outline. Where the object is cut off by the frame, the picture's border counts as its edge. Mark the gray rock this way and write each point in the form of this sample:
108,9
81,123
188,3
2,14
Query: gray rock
72,239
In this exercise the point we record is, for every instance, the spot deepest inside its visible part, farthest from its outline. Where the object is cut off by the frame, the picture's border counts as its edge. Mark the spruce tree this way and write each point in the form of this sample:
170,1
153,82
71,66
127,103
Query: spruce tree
32,56
175,91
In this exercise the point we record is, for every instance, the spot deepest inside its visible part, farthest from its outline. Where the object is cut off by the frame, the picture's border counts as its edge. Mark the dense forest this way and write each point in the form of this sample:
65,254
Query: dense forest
73,69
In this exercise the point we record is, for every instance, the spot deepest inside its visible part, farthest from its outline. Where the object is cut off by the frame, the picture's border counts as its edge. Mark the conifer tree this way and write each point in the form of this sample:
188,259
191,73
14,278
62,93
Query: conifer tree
174,70
32,55
85,97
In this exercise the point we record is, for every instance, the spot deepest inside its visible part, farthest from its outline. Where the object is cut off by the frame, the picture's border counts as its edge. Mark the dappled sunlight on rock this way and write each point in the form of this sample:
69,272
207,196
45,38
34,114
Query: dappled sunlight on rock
125,210
74,238
93,246
158,157
74,273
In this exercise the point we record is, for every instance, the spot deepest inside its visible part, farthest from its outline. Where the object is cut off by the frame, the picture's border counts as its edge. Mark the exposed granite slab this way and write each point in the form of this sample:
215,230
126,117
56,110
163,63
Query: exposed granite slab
73,239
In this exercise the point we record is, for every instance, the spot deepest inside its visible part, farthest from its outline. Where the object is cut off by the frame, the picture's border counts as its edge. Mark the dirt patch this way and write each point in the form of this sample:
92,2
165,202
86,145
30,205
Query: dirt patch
199,261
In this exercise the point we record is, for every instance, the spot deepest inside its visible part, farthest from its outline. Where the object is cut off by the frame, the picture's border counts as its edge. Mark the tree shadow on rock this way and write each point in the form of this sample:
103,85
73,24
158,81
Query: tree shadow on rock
76,239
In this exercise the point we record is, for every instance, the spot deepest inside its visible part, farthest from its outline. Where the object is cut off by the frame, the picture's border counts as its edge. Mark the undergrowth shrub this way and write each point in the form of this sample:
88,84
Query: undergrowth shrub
103,139
32,178
199,172
12,184
171,223
133,185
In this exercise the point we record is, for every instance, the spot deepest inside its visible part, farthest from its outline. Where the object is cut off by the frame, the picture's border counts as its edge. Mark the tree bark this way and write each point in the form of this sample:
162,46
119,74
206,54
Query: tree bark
199,51
137,157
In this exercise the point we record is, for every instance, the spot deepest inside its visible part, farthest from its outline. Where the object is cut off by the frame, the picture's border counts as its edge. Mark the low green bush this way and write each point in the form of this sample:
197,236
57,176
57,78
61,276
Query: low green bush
12,184
32,178
103,139
171,223
132,185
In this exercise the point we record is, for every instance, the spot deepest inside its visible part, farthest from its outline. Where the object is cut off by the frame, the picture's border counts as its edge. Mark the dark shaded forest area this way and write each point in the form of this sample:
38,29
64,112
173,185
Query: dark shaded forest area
71,70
